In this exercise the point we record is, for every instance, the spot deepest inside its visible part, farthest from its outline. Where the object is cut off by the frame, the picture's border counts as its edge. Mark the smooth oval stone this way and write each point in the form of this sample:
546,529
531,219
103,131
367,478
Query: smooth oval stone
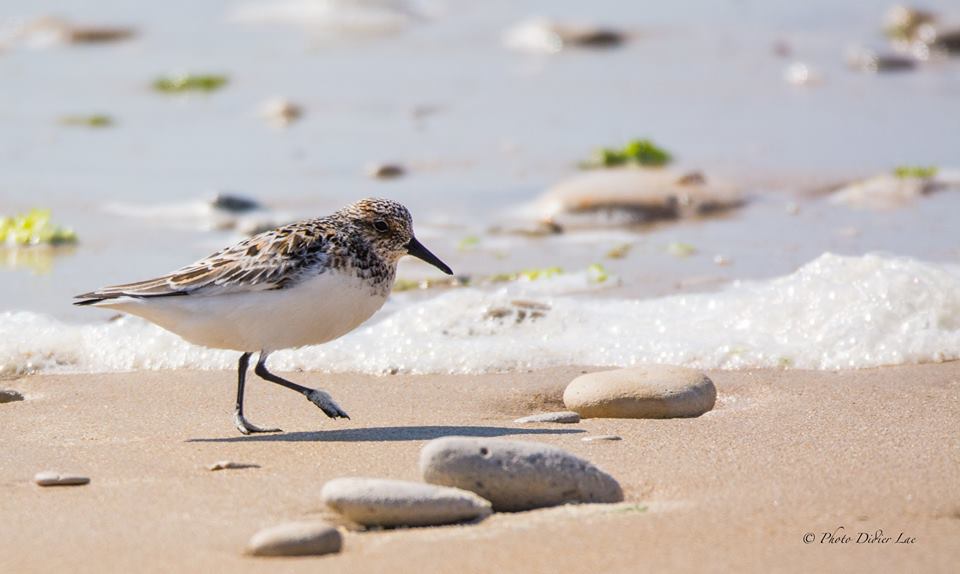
50,478
383,502
649,392
564,417
516,475
10,396
296,539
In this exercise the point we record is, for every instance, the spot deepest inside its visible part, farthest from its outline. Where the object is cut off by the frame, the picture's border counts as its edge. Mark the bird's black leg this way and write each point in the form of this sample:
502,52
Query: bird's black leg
238,419
316,396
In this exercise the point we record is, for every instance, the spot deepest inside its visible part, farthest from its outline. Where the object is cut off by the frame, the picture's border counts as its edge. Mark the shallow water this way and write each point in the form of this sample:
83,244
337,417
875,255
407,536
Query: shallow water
700,78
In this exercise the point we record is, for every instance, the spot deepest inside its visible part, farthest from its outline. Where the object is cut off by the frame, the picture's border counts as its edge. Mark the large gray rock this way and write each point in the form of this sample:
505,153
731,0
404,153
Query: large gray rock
383,502
296,539
649,392
515,475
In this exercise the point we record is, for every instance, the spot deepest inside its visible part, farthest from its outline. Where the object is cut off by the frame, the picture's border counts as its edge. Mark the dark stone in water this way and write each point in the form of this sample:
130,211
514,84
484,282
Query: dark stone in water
226,201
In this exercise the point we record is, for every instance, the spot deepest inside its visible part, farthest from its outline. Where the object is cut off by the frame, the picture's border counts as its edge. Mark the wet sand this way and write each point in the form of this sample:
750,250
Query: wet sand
785,453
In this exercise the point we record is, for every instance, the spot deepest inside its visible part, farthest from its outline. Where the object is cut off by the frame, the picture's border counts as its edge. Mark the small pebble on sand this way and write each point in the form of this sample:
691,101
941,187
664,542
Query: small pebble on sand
50,478
296,539
563,417
601,437
230,465
10,396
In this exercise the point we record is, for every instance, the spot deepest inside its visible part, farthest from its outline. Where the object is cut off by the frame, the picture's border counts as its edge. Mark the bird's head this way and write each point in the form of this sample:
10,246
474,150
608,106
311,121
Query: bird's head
388,227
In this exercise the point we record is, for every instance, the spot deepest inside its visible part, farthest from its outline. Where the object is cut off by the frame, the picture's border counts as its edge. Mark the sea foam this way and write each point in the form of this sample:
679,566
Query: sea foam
834,312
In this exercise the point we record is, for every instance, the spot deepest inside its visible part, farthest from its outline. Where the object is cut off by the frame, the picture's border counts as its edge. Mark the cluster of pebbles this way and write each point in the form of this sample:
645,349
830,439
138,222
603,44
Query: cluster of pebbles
466,479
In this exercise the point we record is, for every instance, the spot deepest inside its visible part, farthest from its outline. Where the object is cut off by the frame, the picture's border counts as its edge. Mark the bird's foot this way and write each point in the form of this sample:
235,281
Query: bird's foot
246,427
326,403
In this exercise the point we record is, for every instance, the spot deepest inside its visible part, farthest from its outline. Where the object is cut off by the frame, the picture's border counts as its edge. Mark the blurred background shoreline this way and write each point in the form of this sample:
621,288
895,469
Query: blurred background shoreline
482,114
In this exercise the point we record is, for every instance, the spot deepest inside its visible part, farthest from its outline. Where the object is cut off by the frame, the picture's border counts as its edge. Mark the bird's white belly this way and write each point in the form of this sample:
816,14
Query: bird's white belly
316,311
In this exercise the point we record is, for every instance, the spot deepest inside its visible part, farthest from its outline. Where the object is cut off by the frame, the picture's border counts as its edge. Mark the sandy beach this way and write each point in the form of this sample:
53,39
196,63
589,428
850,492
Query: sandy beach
784,454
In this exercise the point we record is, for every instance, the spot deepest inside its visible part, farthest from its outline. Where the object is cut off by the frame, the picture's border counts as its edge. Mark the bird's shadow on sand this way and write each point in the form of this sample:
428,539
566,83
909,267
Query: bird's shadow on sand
388,434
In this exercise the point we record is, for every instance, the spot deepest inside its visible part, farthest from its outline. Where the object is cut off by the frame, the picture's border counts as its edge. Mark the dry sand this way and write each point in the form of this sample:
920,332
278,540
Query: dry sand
783,454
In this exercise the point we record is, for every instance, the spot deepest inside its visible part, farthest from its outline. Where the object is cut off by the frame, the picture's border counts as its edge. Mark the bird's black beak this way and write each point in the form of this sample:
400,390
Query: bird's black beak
417,249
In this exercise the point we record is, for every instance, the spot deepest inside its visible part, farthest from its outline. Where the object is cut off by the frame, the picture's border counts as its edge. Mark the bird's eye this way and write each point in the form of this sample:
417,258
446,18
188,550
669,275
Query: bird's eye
380,225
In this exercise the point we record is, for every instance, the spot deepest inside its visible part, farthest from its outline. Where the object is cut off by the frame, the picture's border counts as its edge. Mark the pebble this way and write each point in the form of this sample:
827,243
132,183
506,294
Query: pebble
516,475
95,34
384,502
563,417
549,37
885,191
281,111
50,478
10,396
296,539
230,465
230,202
385,171
801,74
648,392
48,29
612,197
600,437
866,60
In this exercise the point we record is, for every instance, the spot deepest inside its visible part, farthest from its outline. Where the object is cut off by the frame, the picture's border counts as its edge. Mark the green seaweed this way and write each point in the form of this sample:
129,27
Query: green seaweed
469,242
190,83
91,121
528,274
34,228
680,249
917,171
620,251
401,285
597,273
642,152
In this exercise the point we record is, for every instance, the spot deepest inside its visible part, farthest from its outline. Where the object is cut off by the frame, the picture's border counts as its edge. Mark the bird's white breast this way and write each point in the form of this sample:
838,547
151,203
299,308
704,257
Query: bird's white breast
314,311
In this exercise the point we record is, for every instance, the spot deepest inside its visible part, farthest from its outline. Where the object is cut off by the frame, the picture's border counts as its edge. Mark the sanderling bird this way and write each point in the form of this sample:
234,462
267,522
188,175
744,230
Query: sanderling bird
300,284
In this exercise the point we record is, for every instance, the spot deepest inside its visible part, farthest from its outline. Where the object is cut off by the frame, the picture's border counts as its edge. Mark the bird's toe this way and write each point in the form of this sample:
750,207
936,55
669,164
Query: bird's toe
326,403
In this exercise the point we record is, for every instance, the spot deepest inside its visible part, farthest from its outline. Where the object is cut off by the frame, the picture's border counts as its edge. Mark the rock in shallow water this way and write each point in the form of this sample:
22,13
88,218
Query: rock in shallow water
648,392
9,396
296,539
545,36
50,478
564,417
516,475
383,502
612,197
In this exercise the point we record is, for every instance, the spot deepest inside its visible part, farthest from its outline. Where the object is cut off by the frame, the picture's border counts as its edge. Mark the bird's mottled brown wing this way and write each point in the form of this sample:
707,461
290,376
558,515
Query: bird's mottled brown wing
274,259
